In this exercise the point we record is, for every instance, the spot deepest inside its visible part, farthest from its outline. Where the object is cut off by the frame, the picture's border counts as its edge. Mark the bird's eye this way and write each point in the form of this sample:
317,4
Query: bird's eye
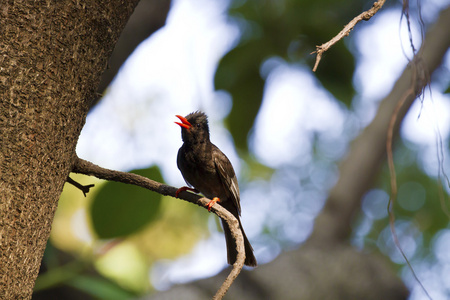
198,125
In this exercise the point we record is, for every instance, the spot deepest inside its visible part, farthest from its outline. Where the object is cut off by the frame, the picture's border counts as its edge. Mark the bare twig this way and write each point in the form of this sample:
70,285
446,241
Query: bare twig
85,167
320,50
237,266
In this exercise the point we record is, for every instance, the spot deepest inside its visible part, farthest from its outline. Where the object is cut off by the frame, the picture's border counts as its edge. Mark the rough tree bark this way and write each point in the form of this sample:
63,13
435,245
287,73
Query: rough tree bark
52,54
327,266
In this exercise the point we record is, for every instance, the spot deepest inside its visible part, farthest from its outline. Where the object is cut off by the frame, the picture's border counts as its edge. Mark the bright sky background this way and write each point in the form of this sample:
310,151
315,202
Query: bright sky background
172,73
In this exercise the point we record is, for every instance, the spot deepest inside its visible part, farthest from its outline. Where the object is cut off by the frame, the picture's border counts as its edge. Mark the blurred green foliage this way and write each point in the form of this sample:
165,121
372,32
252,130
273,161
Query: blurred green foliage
447,91
290,30
430,217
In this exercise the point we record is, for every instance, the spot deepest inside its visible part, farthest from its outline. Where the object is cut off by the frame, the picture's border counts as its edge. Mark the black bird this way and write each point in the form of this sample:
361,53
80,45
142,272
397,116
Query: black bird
209,171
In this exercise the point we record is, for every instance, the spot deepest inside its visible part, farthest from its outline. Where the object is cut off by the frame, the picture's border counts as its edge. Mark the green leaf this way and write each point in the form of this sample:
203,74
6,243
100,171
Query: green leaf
59,275
100,288
121,209
447,91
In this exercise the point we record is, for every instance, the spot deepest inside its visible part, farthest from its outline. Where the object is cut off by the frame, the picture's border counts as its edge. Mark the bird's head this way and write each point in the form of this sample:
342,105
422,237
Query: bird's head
194,127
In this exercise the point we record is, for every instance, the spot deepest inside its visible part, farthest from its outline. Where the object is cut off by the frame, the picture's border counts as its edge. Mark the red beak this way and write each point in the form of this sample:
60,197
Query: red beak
184,123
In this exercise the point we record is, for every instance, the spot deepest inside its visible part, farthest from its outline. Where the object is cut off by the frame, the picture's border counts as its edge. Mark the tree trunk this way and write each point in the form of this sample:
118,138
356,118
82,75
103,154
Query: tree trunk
52,54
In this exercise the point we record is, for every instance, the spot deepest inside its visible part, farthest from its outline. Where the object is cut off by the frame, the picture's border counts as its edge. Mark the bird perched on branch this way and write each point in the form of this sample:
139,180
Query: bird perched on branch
205,168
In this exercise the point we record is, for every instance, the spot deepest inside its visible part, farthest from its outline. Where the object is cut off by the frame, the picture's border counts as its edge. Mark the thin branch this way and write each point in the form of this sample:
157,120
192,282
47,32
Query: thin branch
85,167
320,50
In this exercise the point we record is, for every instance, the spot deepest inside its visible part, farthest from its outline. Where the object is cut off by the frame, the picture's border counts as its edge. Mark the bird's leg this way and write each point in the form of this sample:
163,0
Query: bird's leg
212,202
185,188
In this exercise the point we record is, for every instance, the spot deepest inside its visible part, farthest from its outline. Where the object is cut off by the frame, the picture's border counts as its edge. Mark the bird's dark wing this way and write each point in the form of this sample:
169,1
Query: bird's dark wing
227,176
181,167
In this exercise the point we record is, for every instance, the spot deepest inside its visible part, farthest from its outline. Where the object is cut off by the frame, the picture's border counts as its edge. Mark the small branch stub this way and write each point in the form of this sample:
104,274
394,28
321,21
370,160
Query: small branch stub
84,188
